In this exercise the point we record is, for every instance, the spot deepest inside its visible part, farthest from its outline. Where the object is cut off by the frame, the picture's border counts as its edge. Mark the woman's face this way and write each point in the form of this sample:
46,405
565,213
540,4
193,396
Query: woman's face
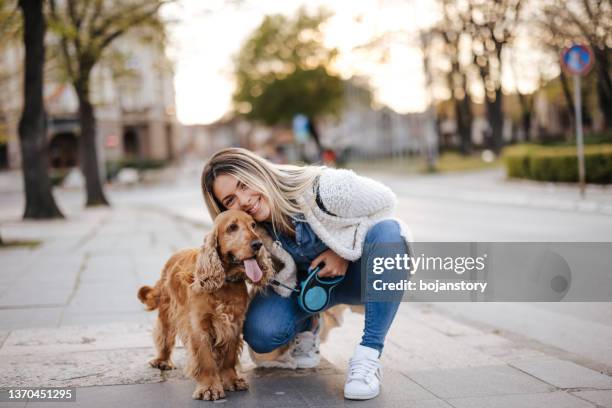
235,195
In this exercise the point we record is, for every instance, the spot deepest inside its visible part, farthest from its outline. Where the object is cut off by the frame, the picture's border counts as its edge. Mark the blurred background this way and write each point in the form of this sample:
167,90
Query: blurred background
109,109
410,85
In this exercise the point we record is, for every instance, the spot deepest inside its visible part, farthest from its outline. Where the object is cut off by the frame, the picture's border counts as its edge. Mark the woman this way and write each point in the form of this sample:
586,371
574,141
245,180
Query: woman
316,214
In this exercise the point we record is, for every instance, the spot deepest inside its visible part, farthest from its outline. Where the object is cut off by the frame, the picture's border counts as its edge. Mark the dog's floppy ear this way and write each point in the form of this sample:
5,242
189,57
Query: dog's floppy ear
287,274
264,260
209,274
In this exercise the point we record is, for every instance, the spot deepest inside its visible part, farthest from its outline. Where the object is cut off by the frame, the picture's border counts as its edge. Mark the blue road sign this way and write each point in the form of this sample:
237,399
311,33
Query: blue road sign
300,128
577,60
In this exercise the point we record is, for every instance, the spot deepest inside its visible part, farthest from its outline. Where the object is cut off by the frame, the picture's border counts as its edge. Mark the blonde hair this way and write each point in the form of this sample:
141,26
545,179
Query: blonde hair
280,184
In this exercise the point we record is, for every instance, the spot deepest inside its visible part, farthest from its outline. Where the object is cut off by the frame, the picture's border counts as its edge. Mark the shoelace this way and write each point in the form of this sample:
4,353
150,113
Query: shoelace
362,369
304,344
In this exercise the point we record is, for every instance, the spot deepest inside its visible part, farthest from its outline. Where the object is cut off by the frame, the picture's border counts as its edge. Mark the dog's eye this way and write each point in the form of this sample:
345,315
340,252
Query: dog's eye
253,225
232,228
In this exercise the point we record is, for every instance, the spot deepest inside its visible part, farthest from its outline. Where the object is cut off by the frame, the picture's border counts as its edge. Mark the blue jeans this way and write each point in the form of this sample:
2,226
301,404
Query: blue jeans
273,321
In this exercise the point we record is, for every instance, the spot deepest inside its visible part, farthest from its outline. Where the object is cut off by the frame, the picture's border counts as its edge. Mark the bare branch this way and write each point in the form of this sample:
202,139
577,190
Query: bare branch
68,59
105,41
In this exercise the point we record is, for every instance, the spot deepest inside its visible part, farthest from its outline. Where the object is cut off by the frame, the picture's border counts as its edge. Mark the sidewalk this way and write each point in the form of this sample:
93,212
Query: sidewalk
69,317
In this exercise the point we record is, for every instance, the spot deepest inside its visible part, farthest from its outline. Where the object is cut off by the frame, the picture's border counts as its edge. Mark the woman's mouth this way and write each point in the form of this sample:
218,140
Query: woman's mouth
254,208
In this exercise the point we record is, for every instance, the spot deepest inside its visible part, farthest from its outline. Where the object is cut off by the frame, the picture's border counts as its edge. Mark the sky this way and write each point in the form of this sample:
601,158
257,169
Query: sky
204,35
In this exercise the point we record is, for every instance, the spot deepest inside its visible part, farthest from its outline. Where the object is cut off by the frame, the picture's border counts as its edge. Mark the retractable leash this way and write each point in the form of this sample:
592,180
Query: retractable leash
314,292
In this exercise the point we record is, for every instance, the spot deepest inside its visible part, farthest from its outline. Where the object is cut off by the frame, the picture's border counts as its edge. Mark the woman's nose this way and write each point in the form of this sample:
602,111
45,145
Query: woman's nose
243,201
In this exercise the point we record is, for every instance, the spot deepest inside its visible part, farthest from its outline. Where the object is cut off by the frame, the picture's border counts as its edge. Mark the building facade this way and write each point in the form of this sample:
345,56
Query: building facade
135,111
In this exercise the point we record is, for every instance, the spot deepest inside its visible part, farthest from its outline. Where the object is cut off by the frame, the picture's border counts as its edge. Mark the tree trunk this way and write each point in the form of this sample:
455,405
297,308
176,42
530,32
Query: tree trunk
32,125
496,121
463,112
87,145
526,122
526,108
314,132
604,87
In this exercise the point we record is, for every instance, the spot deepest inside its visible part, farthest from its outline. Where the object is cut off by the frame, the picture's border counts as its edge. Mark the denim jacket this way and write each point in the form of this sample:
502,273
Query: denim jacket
304,248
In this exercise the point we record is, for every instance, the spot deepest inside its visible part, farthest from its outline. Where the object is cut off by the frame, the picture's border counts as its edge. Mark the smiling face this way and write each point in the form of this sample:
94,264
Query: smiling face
235,195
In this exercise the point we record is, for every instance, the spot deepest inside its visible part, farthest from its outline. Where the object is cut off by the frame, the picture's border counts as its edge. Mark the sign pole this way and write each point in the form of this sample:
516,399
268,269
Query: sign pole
579,135
578,60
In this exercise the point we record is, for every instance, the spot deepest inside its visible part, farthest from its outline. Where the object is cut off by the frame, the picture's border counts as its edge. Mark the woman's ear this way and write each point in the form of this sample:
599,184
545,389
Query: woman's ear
209,274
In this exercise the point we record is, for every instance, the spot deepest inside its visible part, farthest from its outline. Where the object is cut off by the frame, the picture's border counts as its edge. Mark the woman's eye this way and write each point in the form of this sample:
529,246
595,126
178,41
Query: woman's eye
229,202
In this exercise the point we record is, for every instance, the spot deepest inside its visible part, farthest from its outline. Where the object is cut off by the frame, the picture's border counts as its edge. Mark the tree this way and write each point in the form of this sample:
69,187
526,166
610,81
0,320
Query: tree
492,28
32,126
86,29
282,70
589,22
526,101
451,32
9,19
10,24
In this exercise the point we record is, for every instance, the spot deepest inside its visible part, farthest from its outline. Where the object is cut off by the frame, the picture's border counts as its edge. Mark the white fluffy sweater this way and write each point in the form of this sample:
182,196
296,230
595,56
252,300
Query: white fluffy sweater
352,205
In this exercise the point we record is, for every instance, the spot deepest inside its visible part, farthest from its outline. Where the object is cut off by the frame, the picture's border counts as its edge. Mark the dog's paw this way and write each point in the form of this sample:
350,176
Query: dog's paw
208,393
234,383
161,364
240,384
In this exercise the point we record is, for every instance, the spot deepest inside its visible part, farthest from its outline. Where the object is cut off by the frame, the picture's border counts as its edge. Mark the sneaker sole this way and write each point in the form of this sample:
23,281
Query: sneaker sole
361,397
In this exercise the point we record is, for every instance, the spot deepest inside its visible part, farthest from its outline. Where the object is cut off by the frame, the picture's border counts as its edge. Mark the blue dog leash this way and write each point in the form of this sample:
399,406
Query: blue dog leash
314,292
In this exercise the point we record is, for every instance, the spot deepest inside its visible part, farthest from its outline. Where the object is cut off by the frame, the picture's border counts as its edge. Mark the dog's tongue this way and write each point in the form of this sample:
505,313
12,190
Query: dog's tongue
252,270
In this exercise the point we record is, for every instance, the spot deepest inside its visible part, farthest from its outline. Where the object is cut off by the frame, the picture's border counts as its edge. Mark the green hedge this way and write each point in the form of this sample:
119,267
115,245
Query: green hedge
558,163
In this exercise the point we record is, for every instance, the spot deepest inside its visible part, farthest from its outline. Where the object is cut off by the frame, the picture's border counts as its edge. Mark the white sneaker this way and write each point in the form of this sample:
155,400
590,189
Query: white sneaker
364,374
306,348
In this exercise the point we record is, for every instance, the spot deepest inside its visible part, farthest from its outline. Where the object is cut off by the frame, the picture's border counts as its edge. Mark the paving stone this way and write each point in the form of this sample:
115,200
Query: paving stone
565,374
73,339
28,318
28,294
124,287
477,381
75,316
312,389
57,266
77,369
557,399
3,336
14,263
107,268
415,344
103,302
601,398
11,404
321,391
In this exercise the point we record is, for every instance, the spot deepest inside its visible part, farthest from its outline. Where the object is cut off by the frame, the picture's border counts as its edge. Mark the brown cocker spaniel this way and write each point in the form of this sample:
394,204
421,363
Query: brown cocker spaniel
202,297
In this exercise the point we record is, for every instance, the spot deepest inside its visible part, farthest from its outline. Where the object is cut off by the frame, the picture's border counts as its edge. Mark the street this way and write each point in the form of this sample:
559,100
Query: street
76,293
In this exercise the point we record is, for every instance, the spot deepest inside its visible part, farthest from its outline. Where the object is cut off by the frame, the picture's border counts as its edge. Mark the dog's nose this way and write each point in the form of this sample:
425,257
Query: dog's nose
255,245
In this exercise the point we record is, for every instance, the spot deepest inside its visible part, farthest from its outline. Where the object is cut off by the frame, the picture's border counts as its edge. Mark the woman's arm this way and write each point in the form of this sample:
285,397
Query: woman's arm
345,194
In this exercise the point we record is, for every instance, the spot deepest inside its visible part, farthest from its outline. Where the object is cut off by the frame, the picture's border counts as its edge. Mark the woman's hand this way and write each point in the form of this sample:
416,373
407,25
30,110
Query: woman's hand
334,264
